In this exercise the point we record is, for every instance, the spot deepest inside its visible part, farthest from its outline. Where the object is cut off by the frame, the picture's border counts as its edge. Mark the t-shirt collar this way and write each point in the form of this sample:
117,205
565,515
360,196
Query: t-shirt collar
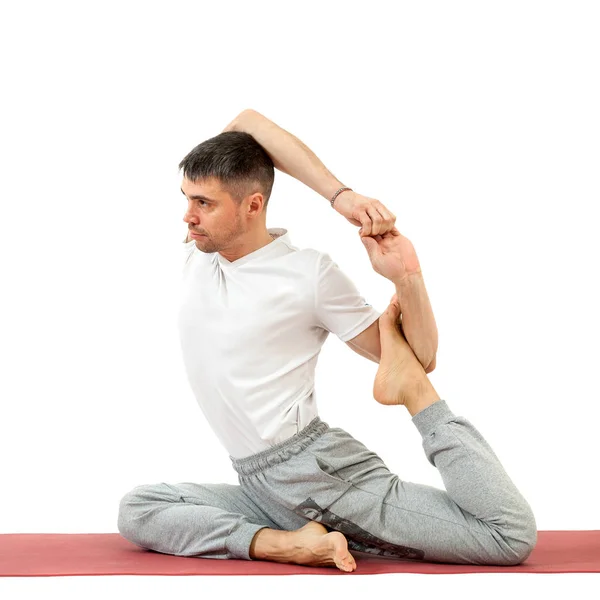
278,233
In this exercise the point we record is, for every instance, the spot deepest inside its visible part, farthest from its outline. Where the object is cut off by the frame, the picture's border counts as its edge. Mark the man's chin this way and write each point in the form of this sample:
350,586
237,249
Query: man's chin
203,246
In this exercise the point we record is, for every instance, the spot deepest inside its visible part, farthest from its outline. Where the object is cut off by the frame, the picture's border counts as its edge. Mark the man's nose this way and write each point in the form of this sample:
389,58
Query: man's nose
188,217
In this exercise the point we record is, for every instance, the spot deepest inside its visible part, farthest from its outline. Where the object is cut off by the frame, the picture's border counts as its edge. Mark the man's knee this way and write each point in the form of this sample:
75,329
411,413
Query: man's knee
128,507
136,504
124,520
523,540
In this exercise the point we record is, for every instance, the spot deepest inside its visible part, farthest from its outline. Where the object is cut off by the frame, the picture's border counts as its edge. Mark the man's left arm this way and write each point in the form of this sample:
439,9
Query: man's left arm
416,322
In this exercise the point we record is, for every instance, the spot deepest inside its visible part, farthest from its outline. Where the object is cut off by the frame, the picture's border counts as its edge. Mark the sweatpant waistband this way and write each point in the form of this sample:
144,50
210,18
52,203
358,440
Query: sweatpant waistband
282,451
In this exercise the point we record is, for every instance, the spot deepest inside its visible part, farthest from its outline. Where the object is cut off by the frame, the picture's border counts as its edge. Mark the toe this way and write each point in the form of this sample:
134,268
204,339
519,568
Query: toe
391,313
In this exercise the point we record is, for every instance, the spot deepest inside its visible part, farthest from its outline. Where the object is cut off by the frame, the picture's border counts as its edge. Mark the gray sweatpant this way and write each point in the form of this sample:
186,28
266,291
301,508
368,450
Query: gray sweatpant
323,474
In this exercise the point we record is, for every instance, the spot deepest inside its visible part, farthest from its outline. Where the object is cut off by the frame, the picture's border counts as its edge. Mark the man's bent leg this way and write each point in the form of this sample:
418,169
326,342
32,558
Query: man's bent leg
189,519
481,517
491,508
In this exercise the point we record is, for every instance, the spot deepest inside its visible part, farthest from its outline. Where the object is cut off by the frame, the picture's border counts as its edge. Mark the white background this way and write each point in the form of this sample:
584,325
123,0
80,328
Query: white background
476,123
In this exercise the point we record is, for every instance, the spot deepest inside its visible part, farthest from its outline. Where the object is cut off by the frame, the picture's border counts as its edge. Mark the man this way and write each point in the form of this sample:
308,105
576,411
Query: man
255,313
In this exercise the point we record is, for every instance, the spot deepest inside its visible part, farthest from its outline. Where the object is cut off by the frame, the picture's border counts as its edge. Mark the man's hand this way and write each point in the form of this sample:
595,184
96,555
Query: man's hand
369,214
392,255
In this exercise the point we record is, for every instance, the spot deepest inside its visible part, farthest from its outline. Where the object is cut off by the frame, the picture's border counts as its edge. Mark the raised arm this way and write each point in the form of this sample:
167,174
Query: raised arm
294,158
288,153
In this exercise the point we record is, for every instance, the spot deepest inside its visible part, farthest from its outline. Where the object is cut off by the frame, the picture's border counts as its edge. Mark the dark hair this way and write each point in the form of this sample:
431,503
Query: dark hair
237,160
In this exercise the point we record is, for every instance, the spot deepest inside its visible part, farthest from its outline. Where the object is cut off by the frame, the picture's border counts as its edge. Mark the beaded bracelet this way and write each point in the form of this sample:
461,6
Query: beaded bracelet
339,192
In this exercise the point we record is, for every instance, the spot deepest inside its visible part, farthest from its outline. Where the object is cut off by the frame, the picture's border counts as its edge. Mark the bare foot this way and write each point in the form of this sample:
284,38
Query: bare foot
314,546
400,376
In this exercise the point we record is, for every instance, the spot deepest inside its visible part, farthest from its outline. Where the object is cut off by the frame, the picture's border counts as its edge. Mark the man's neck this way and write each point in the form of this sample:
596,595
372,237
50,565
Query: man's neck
243,251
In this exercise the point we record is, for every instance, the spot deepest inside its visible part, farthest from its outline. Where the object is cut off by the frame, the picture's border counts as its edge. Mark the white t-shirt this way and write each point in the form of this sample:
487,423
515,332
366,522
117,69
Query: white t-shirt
251,331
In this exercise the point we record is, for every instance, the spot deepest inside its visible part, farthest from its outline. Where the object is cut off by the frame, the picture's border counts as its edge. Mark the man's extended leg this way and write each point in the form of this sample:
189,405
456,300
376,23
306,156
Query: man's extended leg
481,518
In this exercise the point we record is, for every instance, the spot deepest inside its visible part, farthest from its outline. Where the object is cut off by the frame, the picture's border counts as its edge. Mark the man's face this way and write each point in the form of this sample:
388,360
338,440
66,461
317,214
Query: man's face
212,212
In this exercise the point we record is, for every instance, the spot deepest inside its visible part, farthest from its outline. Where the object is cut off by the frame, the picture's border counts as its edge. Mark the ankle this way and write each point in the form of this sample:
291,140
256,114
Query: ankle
424,395
271,544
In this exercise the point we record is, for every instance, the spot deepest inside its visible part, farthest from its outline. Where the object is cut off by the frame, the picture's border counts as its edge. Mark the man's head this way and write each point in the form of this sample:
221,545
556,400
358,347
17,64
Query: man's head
228,181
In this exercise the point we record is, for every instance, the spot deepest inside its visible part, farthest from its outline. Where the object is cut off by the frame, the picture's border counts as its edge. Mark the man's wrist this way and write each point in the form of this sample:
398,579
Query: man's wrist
407,280
345,193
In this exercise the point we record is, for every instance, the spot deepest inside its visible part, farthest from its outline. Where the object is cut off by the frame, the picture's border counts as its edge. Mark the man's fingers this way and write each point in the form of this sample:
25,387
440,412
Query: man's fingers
387,214
384,219
376,220
365,219
389,218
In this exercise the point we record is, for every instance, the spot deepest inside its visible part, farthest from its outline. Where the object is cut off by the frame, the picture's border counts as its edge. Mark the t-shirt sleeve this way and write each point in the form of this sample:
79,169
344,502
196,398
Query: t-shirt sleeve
339,306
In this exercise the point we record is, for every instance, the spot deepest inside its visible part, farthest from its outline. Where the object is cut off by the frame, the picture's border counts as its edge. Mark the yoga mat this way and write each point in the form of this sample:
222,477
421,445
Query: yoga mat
61,554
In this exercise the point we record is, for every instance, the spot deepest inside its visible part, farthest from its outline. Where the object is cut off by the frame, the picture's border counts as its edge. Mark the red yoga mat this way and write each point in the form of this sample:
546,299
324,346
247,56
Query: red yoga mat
61,554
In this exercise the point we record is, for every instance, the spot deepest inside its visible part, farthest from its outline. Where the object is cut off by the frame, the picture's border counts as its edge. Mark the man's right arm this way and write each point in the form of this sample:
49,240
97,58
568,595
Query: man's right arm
294,158
288,153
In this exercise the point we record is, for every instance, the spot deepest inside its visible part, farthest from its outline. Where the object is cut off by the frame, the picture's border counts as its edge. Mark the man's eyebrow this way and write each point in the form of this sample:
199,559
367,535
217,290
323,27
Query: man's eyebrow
199,197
